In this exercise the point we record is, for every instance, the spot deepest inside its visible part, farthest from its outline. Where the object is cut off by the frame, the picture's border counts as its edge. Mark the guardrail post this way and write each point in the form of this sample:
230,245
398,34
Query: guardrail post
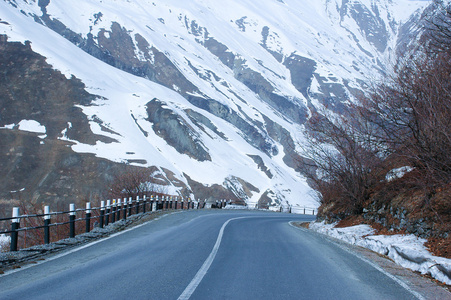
72,220
15,224
130,205
313,213
144,204
113,212
151,203
102,213
189,202
46,224
137,204
107,215
88,217
124,207
176,204
181,203
119,208
166,202
155,204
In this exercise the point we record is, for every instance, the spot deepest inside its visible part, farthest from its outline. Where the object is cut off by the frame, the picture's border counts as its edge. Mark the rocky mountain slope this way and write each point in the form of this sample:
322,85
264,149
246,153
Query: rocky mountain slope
212,95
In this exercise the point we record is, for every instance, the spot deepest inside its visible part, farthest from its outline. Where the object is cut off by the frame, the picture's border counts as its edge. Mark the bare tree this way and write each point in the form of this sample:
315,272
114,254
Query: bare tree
411,116
438,27
130,182
339,162
405,120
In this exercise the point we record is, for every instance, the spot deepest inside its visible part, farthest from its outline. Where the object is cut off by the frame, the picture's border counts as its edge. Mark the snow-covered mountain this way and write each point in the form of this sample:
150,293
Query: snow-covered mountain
212,94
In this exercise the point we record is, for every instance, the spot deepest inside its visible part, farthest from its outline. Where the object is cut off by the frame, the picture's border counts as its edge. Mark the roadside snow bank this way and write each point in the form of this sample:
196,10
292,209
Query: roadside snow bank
406,250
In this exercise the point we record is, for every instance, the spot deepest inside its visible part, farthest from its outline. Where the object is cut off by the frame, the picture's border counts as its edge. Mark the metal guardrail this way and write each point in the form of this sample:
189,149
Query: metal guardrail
108,212
302,210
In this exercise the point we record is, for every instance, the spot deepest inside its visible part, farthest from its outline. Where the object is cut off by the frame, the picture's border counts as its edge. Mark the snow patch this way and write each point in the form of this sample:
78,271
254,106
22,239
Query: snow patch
407,251
31,126
4,242
398,173
8,126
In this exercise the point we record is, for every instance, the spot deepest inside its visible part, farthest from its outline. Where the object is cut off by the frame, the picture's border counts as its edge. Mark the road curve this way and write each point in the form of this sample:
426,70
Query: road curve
207,255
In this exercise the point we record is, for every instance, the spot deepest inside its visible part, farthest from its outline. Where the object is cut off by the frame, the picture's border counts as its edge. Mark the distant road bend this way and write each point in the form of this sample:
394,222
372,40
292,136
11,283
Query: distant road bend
206,255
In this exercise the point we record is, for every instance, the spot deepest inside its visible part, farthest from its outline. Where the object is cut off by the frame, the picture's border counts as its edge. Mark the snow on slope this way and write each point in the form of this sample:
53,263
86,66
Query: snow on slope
126,94
317,30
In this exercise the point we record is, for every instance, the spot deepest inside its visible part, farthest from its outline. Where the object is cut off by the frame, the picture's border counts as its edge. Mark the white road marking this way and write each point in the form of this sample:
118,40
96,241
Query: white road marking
374,265
203,270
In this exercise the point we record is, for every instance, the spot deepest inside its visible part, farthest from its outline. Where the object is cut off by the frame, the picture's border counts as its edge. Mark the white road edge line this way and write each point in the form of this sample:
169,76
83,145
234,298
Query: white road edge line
189,290
374,265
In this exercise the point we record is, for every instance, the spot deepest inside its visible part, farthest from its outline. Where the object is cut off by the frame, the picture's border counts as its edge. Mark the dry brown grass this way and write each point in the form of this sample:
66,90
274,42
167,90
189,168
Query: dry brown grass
439,247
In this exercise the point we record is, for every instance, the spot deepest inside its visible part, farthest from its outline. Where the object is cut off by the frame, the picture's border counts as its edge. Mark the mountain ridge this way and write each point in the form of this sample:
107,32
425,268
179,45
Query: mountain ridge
236,93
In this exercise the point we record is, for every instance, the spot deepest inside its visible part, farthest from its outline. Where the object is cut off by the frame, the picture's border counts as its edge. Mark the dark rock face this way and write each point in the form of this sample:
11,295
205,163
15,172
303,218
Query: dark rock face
333,95
116,48
46,168
265,201
261,165
30,88
251,134
369,22
399,218
239,187
221,51
200,121
175,131
212,192
282,136
265,34
301,70
258,84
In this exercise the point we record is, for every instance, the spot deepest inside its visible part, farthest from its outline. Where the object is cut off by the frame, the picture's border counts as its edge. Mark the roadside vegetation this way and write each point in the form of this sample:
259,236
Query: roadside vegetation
387,160
131,181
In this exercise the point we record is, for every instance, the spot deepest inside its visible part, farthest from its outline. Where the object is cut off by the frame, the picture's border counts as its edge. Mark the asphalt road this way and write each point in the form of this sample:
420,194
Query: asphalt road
206,255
